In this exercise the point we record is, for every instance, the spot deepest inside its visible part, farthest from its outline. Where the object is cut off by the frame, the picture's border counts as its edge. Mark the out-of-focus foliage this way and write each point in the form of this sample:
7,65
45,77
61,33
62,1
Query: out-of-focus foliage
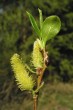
17,36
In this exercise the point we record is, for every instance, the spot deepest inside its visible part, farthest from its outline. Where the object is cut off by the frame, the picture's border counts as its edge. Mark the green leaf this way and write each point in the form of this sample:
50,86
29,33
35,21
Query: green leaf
41,18
34,24
50,28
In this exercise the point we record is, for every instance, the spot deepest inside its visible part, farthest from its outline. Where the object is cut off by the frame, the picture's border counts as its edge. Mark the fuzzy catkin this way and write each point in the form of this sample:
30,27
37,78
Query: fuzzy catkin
24,81
37,57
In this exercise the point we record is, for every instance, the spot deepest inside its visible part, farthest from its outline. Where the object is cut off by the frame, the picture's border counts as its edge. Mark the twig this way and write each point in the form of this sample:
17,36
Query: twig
35,98
40,72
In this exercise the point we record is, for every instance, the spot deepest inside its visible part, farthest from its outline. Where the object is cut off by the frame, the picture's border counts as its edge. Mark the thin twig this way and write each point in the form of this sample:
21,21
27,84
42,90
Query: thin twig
35,101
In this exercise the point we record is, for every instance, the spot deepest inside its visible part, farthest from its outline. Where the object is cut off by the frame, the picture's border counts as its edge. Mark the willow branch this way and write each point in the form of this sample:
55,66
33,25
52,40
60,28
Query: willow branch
35,98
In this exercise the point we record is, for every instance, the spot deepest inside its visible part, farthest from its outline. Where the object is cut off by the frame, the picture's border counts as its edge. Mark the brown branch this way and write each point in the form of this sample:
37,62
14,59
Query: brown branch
40,72
35,98
40,75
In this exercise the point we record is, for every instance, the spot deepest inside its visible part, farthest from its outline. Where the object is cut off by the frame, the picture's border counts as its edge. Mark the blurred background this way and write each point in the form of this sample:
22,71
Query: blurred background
17,36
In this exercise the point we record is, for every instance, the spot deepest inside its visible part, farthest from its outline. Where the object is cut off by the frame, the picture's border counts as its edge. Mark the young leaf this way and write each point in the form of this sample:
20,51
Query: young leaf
34,24
50,28
41,18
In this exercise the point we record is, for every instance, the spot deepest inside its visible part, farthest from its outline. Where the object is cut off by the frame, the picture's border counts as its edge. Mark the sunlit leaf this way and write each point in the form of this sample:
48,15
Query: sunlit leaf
50,28
34,24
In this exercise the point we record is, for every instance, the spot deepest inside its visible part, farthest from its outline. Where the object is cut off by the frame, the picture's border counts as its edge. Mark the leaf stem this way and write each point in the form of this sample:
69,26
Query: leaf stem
29,69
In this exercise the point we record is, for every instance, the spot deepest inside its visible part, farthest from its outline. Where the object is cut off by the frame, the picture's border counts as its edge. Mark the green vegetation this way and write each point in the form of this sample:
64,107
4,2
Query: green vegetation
17,36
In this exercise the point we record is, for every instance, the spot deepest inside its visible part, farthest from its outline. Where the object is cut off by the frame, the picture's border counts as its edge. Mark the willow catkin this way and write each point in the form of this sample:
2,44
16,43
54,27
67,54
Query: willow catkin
24,81
37,57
